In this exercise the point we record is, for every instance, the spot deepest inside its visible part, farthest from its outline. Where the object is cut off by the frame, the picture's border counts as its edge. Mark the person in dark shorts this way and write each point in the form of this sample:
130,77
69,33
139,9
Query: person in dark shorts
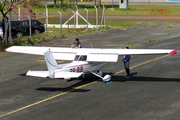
76,44
126,61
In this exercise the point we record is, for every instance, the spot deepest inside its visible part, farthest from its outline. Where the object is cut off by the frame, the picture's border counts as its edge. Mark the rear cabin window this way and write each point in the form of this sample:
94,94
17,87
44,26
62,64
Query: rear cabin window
80,58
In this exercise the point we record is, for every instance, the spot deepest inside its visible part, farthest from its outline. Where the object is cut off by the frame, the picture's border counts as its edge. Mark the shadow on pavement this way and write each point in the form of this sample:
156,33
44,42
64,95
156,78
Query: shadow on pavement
81,81
91,78
141,78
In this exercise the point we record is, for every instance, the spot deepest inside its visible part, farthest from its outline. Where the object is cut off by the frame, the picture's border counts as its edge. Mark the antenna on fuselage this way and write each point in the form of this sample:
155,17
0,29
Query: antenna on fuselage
91,44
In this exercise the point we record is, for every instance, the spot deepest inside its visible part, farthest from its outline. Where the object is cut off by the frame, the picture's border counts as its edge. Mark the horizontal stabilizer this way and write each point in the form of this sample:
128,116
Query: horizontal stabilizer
43,74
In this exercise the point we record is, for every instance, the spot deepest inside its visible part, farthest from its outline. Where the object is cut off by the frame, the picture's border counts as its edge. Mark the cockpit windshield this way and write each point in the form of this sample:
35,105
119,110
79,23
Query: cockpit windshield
76,57
80,58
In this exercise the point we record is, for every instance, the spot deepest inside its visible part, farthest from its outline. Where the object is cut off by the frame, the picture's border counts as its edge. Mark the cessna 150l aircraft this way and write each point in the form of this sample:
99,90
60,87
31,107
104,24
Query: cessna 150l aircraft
83,59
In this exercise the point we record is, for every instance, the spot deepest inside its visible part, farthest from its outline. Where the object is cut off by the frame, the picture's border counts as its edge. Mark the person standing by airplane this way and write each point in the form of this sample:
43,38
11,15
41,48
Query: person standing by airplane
126,62
76,44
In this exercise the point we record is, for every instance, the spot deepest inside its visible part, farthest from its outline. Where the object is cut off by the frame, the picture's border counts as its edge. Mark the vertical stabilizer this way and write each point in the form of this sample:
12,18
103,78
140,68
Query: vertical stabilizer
51,63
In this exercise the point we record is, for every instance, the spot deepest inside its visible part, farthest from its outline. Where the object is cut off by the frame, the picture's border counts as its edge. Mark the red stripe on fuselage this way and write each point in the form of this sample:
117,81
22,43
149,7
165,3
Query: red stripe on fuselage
81,65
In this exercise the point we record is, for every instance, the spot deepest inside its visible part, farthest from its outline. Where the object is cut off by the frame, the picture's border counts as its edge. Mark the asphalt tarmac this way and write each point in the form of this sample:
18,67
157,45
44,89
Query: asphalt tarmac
152,92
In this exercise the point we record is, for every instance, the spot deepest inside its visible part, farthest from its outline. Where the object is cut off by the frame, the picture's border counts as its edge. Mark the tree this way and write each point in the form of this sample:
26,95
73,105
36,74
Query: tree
54,3
28,8
5,8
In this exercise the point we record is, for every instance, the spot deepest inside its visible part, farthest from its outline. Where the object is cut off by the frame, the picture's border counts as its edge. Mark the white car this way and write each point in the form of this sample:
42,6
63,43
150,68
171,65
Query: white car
1,33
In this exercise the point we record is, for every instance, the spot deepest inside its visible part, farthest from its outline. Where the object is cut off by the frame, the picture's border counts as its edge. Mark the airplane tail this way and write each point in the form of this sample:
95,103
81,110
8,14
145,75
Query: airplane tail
51,63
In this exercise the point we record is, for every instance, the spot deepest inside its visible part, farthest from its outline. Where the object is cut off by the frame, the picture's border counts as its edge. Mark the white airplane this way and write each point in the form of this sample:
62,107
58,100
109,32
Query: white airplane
83,59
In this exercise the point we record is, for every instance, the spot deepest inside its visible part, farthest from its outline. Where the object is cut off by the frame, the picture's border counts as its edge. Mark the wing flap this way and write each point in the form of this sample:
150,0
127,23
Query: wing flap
67,75
102,57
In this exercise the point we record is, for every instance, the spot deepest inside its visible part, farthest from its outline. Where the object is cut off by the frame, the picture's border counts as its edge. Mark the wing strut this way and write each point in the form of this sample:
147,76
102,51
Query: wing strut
106,78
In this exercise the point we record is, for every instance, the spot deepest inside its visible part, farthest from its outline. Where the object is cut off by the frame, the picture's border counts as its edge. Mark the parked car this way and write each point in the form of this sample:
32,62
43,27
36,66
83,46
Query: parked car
1,33
17,28
36,26
21,27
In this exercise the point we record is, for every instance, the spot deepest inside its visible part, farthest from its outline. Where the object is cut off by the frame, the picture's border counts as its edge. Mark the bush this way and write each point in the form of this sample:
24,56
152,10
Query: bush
3,46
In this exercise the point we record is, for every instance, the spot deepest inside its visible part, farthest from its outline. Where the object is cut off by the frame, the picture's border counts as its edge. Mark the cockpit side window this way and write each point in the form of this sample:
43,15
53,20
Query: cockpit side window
83,58
80,58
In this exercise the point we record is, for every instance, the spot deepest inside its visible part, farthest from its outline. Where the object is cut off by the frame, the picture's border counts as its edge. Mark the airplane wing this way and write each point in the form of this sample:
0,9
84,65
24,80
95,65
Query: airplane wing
93,54
58,53
45,74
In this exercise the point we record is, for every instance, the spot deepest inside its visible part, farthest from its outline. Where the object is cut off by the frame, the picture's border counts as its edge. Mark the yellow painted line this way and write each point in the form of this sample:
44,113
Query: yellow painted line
46,99
2,73
45,61
60,61
41,60
75,88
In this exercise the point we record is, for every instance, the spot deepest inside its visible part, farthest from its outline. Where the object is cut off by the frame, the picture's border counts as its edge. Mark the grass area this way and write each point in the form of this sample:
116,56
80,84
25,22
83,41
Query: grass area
110,25
50,32
168,26
130,45
150,41
157,10
121,24
160,10
56,31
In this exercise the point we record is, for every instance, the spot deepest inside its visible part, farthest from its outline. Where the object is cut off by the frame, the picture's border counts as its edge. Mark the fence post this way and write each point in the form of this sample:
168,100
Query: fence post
103,16
46,13
87,17
60,22
46,26
96,16
76,15
74,21
19,14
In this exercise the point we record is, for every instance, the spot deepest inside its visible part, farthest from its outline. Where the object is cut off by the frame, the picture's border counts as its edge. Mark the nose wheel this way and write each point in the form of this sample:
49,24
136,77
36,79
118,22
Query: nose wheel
107,82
